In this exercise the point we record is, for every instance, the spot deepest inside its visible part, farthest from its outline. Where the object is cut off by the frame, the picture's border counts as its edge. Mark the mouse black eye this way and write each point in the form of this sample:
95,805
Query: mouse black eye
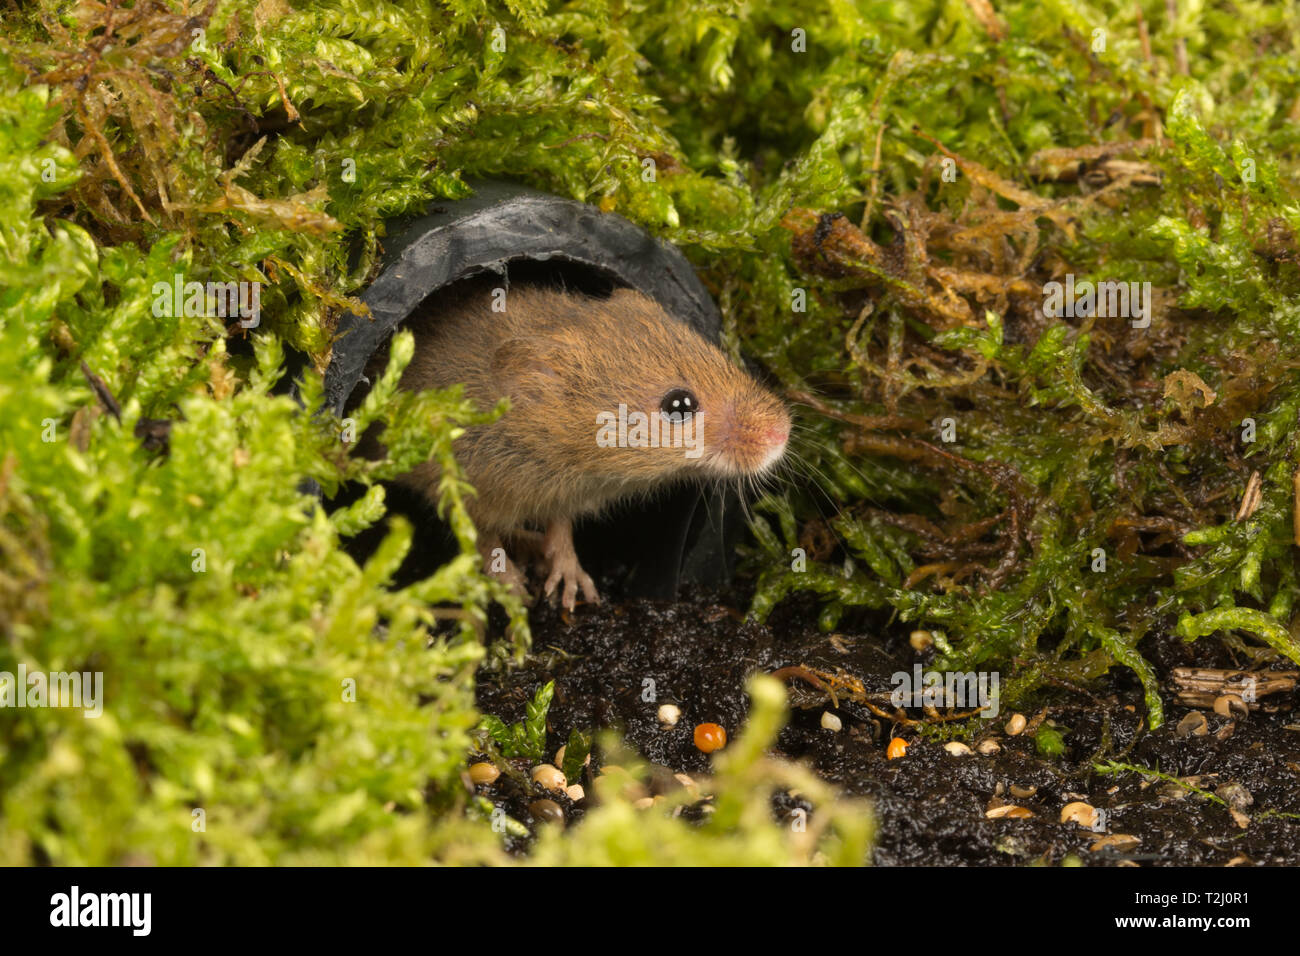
677,404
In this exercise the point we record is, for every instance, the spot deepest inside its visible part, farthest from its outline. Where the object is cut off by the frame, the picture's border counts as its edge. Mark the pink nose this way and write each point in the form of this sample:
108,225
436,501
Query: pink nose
777,436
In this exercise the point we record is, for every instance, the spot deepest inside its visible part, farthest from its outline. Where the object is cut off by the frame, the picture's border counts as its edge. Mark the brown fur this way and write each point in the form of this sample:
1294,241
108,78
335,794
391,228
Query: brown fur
562,358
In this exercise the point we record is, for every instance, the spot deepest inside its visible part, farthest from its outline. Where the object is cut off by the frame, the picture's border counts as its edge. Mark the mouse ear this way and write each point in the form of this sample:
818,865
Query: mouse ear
523,365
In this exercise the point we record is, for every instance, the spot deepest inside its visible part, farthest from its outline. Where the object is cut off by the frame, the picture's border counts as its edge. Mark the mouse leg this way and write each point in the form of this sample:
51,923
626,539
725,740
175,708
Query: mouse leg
498,564
527,546
558,548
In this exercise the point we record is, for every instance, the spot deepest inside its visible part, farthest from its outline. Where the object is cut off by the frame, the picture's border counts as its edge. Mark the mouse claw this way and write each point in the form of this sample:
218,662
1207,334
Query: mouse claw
566,569
573,578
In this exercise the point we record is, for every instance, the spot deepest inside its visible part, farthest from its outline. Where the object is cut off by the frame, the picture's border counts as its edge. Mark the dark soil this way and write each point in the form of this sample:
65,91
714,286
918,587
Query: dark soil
930,806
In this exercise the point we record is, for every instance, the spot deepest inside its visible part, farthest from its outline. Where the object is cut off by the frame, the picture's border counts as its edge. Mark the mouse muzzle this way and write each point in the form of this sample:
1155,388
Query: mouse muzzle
747,440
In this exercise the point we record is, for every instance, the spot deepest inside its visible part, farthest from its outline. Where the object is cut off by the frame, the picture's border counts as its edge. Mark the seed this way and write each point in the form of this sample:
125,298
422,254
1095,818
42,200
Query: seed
897,748
669,714
831,722
624,784
483,773
1084,814
957,748
575,792
1016,724
710,737
1117,841
550,777
1009,810
645,803
921,641
988,747
1230,705
1192,725
1022,792
546,811
1235,795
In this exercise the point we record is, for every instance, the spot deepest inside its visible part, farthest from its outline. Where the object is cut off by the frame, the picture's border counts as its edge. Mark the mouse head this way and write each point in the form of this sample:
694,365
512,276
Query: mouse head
627,393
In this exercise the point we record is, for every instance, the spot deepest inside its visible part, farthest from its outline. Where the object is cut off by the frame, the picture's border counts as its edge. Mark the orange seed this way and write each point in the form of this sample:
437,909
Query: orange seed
710,737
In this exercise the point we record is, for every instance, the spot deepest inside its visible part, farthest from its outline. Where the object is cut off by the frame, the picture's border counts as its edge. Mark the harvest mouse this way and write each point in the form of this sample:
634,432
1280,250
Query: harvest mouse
610,398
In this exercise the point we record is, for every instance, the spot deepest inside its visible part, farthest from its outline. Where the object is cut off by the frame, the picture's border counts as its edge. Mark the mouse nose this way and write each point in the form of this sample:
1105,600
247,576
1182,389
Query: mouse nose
776,437
749,438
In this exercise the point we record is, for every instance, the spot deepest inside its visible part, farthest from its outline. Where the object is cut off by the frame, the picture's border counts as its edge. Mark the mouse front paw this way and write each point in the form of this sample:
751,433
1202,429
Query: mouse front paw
564,567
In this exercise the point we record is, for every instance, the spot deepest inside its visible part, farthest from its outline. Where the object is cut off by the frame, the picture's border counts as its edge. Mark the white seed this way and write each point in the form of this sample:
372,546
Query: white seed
957,748
575,792
1016,725
669,714
550,777
988,747
831,722
921,641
